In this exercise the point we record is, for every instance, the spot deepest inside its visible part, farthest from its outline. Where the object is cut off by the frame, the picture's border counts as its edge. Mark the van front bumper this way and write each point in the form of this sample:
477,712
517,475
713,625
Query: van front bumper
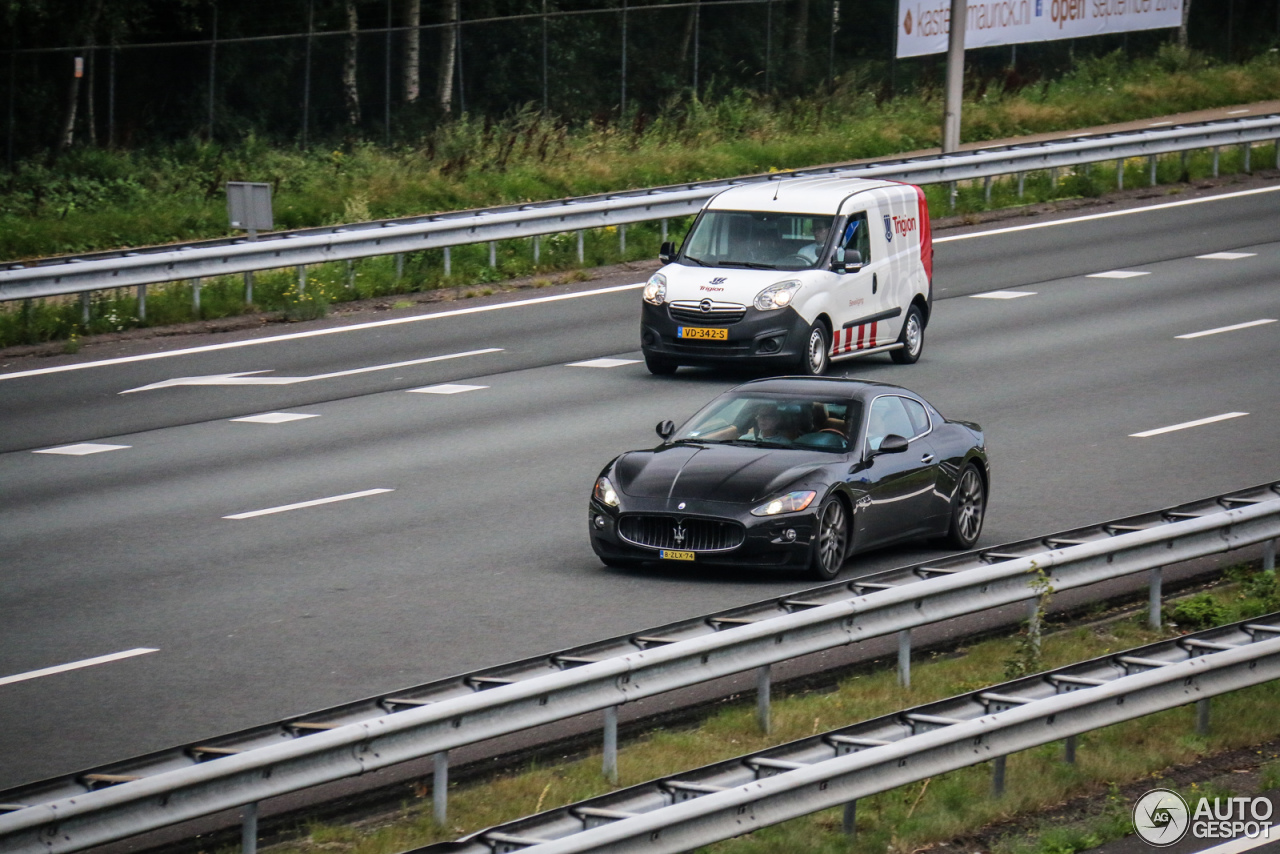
764,338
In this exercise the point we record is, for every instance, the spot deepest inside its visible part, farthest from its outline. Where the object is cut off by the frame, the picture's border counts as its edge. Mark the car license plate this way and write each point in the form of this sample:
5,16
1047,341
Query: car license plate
702,332
669,554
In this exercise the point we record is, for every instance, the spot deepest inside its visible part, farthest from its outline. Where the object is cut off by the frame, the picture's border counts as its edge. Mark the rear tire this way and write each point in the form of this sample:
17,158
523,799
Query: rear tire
659,366
968,509
816,357
832,544
911,338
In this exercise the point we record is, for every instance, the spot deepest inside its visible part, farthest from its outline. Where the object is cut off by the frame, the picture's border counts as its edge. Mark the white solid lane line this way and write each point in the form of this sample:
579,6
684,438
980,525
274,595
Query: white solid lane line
1003,295
1118,274
447,388
274,418
1188,424
1227,256
603,363
82,449
350,495
1248,325
74,665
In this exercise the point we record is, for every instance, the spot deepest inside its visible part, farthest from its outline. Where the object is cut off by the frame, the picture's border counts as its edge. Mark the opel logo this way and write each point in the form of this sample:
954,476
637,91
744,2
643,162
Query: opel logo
705,305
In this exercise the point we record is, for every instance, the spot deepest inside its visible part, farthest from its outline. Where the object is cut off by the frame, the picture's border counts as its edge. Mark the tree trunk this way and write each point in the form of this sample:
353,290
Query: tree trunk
68,135
448,55
411,14
800,42
350,92
1182,30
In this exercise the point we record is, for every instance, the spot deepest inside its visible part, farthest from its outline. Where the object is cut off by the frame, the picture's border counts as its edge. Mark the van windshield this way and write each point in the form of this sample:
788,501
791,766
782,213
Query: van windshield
758,240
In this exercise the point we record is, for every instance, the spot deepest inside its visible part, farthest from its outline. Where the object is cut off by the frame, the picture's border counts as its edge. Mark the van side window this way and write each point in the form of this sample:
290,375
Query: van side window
856,236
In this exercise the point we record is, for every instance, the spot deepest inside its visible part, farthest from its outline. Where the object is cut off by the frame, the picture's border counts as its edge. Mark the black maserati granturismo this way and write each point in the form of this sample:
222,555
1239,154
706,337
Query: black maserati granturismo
794,473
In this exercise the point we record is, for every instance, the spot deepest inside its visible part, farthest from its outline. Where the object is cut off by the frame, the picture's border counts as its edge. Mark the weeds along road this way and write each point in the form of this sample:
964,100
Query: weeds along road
459,540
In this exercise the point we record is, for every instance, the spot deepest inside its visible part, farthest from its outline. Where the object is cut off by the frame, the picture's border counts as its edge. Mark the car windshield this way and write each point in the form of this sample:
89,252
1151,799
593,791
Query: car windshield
757,240
780,421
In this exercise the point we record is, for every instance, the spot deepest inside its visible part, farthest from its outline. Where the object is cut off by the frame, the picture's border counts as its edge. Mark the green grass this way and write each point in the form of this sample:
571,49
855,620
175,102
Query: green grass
92,199
908,818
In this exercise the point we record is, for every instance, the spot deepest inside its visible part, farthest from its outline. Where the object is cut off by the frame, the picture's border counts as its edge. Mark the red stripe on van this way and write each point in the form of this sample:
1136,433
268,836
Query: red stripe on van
926,235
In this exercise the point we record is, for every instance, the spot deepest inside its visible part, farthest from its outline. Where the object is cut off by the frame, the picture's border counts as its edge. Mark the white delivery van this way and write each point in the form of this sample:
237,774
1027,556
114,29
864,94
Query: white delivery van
794,274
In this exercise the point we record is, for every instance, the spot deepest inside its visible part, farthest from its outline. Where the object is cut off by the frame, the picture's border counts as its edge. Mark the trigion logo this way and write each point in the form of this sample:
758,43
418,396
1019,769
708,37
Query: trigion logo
906,23
1161,817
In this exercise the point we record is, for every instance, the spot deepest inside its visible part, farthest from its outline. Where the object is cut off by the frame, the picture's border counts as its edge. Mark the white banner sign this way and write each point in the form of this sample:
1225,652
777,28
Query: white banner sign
924,25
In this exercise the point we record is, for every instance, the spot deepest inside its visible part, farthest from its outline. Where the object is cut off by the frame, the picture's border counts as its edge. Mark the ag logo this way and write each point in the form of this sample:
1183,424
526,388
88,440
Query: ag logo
1161,817
888,229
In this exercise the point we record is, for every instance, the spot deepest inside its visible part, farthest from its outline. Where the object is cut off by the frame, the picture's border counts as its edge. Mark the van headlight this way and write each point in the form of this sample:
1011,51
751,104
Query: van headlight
792,502
655,290
777,296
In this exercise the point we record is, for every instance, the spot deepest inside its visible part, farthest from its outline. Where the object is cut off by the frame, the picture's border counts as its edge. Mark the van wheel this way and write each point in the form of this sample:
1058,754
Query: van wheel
659,366
911,338
817,351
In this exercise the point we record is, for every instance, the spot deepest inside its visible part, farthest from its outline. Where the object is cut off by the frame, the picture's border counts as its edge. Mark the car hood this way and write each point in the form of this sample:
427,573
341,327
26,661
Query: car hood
714,472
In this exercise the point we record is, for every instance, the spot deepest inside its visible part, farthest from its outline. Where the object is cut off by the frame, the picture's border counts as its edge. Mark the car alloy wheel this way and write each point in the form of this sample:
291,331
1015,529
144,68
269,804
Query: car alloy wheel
833,540
911,339
968,509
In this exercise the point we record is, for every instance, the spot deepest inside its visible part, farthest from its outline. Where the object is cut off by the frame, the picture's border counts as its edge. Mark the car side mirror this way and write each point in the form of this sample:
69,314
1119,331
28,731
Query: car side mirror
892,444
666,429
667,253
847,261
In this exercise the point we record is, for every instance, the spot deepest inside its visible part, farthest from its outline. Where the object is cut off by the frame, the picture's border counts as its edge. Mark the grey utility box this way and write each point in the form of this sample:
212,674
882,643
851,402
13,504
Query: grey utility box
249,206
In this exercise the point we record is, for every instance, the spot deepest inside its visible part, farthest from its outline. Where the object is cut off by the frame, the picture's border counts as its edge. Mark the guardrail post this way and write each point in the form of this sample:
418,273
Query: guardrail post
611,744
622,241
1278,153
493,253
1153,598
399,266
763,689
448,261
351,274
1053,178
997,776
1269,556
1248,155
850,819
1202,716
84,307
904,658
1033,623
440,787
952,189
248,287
537,248
664,222
302,279
1215,161
195,296
142,302
249,829
1151,162
1022,180
581,257
986,189
1120,174
1183,159
1069,750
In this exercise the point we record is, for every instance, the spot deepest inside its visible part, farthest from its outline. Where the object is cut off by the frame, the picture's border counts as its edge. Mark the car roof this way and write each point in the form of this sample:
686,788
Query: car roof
821,386
822,195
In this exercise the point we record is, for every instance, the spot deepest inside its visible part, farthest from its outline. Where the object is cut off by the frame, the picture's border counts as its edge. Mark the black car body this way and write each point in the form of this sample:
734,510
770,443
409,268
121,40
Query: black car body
794,473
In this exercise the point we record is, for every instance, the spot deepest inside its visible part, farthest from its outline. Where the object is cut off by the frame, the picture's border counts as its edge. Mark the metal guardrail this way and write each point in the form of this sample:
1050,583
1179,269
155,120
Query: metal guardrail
77,812
96,271
726,799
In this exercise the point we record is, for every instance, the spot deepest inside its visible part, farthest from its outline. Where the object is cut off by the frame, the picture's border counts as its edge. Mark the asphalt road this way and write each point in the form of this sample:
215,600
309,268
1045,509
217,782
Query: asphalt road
460,540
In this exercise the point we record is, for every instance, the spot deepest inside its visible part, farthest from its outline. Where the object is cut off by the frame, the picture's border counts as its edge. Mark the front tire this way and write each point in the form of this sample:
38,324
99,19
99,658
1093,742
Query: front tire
832,544
911,338
968,509
659,366
817,351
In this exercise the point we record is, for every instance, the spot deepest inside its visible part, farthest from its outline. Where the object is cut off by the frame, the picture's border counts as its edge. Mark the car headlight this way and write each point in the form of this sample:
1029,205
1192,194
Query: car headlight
792,502
605,493
655,290
777,296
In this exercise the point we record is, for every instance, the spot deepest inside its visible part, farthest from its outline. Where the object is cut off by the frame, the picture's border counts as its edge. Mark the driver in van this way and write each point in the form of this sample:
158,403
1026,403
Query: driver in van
821,228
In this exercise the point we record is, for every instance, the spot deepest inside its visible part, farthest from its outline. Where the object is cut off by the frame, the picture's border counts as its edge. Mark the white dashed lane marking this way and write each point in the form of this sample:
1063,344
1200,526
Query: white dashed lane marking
1187,425
274,418
82,449
1248,325
1227,256
1003,295
74,665
315,503
1118,274
446,388
604,363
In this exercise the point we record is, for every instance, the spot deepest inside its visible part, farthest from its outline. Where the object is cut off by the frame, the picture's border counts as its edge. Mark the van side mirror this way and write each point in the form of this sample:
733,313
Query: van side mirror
665,429
847,261
667,252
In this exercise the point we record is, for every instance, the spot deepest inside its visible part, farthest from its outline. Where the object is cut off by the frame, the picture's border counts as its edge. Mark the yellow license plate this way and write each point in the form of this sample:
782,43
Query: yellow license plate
702,332
669,554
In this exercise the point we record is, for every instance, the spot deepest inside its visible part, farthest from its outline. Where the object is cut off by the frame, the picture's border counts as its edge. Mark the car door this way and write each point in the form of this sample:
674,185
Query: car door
899,488
863,300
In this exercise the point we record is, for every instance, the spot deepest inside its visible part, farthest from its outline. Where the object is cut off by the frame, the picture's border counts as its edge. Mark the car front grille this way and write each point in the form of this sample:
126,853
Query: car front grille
706,311
670,532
